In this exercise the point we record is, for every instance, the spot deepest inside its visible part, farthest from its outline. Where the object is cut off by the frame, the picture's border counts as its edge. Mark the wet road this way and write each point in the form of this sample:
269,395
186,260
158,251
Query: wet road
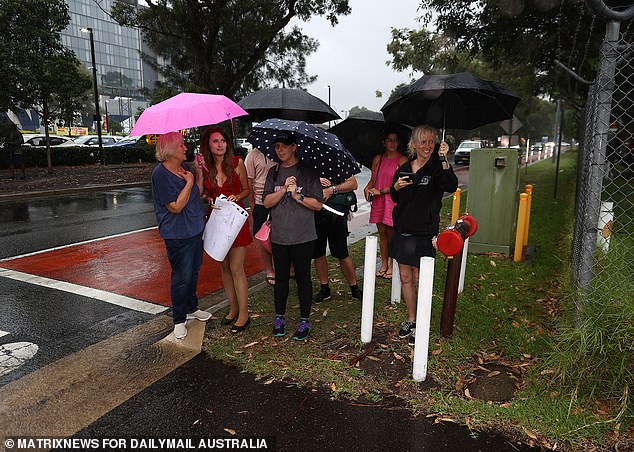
57,323
43,223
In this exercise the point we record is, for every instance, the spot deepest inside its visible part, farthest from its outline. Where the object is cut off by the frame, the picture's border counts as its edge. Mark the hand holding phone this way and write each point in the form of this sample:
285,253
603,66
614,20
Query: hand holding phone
409,177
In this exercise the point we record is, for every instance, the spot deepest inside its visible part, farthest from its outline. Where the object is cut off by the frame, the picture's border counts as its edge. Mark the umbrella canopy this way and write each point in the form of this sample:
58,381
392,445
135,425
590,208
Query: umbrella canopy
454,101
322,150
362,134
286,103
184,111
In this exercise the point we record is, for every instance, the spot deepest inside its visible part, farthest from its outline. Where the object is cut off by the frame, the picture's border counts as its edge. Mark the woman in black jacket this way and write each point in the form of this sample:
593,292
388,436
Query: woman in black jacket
417,190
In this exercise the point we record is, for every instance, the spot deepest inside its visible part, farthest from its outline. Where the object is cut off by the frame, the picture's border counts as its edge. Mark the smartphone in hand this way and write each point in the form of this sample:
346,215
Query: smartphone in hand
410,177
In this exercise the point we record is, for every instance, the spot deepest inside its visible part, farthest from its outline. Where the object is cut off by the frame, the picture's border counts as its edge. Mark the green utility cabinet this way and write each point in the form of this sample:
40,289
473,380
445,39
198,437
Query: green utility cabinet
493,198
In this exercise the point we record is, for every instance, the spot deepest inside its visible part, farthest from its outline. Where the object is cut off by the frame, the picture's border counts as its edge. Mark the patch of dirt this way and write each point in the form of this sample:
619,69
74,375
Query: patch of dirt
493,382
68,177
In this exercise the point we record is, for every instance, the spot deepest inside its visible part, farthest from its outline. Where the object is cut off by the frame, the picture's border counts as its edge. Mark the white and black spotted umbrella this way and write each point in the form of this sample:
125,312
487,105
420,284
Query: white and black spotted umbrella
322,150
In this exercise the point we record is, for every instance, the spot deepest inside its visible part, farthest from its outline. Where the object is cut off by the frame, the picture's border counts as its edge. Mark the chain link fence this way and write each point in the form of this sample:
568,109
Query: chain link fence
603,242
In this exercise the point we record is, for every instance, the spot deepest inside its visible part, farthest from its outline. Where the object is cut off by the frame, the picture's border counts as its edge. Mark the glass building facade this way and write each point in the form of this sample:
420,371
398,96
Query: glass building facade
120,69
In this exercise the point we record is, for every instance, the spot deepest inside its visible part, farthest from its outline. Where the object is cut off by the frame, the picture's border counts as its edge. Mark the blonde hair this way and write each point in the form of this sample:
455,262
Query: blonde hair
417,135
167,144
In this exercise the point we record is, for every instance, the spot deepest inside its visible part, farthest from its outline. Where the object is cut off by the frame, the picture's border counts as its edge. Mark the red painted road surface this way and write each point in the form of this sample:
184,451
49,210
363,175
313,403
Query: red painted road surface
134,265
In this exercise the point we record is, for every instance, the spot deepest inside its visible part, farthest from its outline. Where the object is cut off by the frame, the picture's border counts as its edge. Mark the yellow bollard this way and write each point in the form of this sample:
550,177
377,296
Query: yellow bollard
529,192
455,208
521,228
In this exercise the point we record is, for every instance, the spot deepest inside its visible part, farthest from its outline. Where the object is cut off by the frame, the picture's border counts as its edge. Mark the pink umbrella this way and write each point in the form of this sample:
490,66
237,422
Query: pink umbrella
184,111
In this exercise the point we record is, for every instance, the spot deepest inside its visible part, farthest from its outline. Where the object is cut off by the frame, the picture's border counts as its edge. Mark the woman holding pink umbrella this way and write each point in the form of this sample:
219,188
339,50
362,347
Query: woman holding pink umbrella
228,176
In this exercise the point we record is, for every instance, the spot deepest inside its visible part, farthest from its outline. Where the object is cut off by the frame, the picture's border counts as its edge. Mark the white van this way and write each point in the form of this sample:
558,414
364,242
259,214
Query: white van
463,153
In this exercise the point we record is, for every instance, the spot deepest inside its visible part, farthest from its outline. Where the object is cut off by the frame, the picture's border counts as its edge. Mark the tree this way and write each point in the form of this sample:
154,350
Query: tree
43,74
528,35
229,47
516,47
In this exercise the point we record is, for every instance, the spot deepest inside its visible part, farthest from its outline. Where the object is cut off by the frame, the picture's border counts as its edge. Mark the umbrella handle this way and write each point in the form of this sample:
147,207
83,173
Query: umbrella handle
200,159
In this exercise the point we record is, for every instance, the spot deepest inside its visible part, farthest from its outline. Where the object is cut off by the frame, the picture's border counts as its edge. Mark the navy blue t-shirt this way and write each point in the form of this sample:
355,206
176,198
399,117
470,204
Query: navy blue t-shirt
166,187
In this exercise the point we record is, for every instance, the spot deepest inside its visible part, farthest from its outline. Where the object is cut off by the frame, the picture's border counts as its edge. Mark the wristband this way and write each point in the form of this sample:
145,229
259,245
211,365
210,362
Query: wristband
300,199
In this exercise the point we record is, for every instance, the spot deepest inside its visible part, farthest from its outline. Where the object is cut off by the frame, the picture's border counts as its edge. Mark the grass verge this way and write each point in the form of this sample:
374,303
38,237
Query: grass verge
507,315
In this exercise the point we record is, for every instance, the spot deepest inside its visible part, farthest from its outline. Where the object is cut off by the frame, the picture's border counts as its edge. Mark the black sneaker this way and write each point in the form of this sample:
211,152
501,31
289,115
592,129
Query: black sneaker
356,293
412,338
407,328
323,294
279,326
303,330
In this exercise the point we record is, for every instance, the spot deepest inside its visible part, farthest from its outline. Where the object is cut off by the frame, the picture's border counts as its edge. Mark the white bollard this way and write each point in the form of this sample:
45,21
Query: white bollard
369,281
606,219
423,317
395,297
463,265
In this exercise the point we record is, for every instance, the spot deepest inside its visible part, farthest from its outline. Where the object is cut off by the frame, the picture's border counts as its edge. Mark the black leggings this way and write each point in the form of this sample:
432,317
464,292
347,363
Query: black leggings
300,256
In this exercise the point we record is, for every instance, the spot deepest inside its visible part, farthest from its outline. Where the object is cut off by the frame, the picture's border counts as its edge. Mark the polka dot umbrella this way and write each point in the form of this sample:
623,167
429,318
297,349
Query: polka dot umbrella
322,150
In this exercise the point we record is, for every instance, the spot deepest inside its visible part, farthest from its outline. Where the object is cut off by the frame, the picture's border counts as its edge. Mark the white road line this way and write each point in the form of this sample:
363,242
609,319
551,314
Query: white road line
3,333
108,297
77,243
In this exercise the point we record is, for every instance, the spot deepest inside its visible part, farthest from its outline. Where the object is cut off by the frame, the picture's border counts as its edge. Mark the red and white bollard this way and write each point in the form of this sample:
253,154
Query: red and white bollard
451,242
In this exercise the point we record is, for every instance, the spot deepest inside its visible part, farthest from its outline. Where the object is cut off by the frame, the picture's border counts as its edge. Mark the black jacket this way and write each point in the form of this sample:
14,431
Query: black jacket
417,209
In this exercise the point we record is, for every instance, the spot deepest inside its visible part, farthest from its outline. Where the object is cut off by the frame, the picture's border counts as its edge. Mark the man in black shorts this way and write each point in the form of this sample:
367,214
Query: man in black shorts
332,229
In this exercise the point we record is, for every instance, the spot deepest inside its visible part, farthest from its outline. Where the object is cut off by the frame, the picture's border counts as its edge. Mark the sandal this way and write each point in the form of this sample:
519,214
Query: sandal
381,273
270,280
387,274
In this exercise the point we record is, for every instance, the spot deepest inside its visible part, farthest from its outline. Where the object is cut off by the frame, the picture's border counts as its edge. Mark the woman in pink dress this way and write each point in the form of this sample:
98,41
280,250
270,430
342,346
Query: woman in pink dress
377,191
228,176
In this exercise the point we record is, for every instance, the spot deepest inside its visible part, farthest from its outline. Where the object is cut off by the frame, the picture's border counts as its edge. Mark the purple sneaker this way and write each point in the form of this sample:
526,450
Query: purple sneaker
303,330
279,326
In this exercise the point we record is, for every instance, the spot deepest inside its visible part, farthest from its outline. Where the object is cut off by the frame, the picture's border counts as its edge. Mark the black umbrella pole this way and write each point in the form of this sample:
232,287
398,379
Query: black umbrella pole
451,295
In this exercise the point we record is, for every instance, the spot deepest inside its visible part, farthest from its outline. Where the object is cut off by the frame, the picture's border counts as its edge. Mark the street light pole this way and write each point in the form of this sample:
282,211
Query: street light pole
97,116
328,86
107,119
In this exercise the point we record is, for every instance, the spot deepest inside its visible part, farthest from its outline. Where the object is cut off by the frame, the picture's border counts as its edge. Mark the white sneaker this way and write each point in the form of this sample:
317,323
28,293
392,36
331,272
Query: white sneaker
180,330
203,316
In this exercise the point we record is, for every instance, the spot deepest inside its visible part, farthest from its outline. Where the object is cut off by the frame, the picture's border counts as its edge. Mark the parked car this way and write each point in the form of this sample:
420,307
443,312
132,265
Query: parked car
93,140
39,139
463,153
129,141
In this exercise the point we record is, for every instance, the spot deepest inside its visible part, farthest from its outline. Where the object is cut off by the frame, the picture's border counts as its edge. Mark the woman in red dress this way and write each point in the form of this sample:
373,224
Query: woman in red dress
228,176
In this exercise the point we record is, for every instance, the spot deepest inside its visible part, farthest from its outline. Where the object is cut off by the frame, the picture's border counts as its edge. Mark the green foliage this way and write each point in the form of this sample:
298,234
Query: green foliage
357,109
229,47
42,72
512,42
82,155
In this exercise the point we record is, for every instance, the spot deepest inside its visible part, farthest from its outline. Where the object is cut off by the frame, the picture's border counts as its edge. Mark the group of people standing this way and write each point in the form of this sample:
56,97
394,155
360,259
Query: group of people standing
405,192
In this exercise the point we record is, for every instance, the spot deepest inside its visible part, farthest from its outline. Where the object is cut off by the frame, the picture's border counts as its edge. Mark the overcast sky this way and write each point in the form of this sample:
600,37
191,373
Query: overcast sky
351,56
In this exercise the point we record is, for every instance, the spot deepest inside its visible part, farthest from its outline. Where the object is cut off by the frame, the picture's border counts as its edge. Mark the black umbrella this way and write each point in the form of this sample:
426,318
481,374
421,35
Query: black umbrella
286,103
322,150
454,101
362,134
